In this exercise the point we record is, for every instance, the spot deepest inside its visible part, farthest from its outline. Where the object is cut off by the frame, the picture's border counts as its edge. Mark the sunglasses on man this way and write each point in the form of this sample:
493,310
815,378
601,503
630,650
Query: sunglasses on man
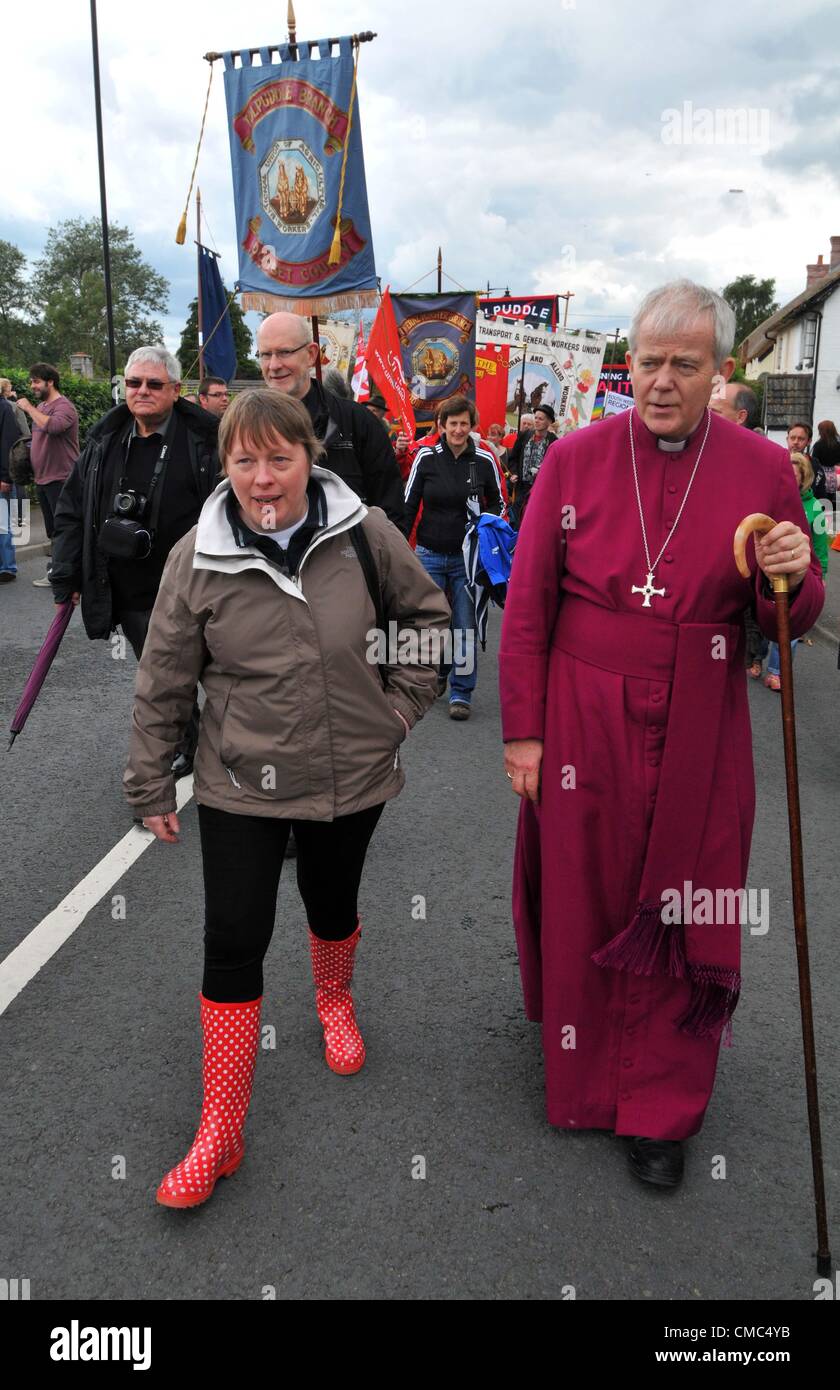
133,383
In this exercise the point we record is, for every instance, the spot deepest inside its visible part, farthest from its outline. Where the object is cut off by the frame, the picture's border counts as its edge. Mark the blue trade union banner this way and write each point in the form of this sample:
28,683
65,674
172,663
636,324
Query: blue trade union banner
293,125
219,349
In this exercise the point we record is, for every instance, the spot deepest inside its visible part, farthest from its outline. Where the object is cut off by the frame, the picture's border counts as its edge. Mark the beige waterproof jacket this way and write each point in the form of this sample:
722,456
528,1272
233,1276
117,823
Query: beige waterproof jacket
296,721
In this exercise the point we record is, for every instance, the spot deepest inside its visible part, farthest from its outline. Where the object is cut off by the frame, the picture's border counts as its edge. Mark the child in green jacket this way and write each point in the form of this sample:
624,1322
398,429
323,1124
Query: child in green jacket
816,515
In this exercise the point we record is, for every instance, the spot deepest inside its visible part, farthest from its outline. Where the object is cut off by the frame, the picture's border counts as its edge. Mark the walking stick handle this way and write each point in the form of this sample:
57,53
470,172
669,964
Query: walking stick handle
760,522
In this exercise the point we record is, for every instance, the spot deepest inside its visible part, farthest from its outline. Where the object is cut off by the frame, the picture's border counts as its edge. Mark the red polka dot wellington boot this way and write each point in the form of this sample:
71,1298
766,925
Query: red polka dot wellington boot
231,1039
332,970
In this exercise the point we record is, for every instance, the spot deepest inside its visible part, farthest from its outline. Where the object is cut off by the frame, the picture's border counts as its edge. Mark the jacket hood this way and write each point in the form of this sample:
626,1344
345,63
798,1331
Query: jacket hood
197,420
215,543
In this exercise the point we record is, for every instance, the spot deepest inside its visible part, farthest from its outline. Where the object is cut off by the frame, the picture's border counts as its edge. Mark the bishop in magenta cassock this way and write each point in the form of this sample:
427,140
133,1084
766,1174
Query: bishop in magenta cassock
627,733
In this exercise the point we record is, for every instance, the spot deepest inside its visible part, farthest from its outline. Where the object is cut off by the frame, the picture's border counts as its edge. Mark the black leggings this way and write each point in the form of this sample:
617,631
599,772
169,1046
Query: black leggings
243,857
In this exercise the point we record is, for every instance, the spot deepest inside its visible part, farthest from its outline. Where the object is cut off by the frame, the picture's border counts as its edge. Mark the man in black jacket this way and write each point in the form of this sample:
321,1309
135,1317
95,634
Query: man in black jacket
9,435
138,486
455,480
358,449
526,457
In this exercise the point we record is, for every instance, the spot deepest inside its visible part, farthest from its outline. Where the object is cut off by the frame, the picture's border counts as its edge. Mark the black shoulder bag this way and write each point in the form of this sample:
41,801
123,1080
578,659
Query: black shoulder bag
361,545
126,534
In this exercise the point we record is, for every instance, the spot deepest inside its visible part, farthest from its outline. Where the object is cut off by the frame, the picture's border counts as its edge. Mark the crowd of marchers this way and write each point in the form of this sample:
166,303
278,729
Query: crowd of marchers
245,546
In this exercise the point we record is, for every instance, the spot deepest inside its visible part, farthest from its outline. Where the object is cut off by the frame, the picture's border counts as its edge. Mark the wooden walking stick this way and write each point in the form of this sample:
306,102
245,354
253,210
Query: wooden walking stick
761,523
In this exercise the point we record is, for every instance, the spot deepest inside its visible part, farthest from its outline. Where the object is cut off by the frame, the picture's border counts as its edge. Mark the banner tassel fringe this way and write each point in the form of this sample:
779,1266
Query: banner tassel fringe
265,303
181,234
335,250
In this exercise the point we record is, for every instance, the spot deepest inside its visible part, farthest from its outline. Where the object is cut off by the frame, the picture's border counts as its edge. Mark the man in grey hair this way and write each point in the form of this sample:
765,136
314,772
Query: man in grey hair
145,471
626,721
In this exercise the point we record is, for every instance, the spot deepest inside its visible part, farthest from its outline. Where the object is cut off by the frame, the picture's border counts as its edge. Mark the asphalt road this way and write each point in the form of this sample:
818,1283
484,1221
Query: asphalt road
101,1055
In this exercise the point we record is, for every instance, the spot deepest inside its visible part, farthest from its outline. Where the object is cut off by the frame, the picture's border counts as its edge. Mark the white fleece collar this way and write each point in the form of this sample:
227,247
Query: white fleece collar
215,543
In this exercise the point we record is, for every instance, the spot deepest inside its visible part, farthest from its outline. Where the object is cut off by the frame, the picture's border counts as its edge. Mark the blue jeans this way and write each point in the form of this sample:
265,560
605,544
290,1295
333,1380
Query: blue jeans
517,508
449,573
773,668
8,563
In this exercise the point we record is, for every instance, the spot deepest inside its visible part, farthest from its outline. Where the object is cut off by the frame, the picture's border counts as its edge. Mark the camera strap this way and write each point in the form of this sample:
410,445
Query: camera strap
151,511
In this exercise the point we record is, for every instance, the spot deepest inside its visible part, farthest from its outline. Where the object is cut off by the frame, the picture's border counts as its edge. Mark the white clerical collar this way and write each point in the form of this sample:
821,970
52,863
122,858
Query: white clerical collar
671,446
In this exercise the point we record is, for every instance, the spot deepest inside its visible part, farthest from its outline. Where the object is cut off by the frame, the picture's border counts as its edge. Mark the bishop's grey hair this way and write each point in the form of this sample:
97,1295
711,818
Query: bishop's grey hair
675,306
158,355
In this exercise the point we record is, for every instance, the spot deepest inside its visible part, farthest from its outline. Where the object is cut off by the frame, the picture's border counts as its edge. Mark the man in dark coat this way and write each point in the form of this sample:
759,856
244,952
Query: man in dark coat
148,465
357,447
525,458
9,434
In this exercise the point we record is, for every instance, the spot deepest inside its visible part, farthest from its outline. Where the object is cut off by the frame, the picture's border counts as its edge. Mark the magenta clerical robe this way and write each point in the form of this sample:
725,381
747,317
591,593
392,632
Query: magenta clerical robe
601,695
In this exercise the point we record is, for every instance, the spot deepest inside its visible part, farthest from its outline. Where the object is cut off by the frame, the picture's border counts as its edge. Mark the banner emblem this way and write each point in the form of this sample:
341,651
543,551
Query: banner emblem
434,363
292,187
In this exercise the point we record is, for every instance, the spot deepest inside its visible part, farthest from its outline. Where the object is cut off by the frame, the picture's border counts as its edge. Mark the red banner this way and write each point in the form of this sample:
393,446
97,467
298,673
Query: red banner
384,364
491,381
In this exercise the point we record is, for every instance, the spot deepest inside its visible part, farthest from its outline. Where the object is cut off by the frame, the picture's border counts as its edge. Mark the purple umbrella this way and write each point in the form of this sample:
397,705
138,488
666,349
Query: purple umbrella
44,661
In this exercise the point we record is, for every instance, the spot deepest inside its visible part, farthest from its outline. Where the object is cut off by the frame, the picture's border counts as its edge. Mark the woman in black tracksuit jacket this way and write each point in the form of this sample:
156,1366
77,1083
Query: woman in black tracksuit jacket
453,480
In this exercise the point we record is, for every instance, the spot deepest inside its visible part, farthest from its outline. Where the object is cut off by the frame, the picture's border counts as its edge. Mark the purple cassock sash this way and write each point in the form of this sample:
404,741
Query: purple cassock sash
685,844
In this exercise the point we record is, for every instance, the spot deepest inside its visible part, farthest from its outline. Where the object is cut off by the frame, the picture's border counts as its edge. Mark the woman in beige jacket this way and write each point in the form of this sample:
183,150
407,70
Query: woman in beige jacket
269,603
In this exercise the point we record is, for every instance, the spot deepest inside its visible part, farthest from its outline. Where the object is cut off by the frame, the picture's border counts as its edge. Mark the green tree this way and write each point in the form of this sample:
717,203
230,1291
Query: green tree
68,288
243,340
15,329
92,399
615,351
752,301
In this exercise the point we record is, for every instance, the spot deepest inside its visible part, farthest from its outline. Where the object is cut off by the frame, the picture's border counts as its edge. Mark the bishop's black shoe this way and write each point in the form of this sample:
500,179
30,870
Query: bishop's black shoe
657,1161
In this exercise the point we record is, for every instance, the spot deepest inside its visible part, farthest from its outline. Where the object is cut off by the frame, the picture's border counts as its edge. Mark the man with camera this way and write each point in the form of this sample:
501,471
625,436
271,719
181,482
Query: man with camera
141,480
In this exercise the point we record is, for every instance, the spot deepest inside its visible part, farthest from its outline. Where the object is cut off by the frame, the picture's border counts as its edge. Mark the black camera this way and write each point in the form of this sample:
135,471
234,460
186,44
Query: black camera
130,504
124,535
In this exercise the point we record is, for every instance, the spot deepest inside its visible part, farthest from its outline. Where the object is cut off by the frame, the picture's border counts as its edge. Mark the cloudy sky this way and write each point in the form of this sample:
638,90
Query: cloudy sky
562,145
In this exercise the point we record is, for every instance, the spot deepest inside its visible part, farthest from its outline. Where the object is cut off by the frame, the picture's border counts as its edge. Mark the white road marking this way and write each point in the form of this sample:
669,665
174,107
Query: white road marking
23,963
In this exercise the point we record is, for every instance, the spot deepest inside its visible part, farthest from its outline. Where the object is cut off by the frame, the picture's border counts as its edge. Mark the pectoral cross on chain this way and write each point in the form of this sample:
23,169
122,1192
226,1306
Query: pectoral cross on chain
648,590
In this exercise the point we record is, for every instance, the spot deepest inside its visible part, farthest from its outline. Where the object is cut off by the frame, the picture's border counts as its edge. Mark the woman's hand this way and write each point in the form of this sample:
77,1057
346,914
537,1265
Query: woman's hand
164,828
523,758
784,550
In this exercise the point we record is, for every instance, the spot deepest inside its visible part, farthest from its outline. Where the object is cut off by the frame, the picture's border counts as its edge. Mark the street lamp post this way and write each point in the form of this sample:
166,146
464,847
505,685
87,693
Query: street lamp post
106,254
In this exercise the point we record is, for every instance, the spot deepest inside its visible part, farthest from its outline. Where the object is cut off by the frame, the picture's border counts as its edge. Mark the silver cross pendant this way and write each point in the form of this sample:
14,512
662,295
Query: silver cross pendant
648,590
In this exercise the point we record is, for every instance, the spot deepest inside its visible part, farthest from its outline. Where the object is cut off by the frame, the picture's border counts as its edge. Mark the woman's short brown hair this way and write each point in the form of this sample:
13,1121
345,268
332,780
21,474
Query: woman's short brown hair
457,405
258,416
